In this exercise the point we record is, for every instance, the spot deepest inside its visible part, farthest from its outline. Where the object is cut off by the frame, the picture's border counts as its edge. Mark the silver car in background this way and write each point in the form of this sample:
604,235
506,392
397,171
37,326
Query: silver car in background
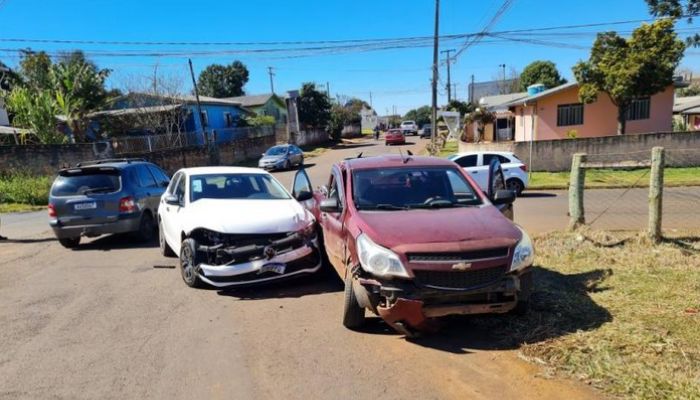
283,156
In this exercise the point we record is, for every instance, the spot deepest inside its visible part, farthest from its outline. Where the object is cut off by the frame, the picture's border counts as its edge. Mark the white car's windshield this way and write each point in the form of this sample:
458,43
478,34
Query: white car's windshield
235,186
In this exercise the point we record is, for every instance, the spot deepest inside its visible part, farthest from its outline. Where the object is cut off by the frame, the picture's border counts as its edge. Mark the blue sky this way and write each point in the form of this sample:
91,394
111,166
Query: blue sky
397,78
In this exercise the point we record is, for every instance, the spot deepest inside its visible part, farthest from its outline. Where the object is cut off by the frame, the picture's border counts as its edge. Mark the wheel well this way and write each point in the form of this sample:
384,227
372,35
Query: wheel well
182,236
516,179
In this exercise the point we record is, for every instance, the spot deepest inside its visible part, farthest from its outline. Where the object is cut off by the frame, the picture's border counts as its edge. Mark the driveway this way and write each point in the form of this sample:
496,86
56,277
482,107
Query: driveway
113,320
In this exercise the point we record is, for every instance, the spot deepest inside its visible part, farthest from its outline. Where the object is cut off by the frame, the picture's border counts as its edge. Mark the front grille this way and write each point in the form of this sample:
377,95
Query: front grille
460,279
456,257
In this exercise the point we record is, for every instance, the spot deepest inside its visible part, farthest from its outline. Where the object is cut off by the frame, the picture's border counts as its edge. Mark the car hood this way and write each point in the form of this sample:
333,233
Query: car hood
452,228
246,216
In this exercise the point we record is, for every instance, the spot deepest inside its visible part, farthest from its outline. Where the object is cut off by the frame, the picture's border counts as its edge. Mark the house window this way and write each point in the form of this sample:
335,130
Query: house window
205,119
570,114
228,119
638,109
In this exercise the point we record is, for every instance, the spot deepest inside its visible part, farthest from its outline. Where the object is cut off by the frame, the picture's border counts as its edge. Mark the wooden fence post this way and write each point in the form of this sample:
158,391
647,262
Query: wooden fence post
656,193
576,184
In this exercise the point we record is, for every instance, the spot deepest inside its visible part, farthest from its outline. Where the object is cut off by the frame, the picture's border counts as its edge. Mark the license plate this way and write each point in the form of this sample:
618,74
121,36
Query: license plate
85,206
277,268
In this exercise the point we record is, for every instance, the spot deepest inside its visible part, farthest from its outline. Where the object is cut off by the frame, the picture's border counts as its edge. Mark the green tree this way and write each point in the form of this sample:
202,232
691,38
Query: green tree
544,72
223,80
8,78
35,70
421,115
35,111
677,9
314,106
692,90
627,69
463,107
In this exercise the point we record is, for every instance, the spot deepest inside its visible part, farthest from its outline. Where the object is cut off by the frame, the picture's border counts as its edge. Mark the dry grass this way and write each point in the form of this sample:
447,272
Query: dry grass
606,178
615,312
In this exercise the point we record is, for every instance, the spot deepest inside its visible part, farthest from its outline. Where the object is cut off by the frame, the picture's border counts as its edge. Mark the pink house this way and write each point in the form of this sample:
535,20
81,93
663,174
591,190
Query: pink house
557,113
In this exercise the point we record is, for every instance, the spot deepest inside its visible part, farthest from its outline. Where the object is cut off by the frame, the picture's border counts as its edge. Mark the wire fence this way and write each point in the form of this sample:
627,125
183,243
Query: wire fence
618,190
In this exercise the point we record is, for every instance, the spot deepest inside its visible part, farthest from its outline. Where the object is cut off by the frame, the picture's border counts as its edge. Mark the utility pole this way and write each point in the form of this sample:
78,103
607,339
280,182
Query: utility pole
471,91
272,85
449,85
328,89
433,123
370,101
199,106
503,89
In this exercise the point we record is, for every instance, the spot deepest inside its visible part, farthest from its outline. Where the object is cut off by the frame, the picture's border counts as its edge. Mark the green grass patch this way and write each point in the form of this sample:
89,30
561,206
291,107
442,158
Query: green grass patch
17,207
617,313
608,178
16,190
450,148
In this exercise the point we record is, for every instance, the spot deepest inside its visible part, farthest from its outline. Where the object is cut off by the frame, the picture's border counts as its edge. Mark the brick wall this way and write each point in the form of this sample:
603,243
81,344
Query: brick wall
555,155
47,159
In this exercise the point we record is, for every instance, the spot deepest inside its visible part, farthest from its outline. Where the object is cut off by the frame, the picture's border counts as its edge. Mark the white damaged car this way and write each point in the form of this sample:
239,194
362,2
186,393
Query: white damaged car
235,226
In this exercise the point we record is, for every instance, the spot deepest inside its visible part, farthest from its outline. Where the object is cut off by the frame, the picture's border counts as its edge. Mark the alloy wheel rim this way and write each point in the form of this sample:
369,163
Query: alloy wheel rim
187,270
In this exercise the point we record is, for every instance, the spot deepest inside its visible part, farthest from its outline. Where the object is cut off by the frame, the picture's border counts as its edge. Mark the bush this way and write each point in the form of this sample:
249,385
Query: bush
25,189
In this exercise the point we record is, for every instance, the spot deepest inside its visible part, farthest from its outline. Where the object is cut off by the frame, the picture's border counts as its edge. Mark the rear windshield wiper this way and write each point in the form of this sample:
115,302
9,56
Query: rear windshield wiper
98,189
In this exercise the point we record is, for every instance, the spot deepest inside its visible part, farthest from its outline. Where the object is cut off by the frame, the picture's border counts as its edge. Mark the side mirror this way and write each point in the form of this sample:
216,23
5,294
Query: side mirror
330,205
503,197
172,200
304,195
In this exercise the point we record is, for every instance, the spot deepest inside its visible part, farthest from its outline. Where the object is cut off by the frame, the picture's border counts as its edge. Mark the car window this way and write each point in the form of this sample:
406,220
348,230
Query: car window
145,177
334,189
414,187
500,158
88,181
161,177
180,188
173,182
235,187
276,151
467,161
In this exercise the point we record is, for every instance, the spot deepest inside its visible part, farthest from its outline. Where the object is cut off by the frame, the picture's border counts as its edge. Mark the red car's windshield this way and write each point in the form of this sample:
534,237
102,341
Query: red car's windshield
409,188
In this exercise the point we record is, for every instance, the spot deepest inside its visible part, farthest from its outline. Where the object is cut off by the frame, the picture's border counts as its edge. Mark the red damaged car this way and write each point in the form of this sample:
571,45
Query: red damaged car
394,136
414,238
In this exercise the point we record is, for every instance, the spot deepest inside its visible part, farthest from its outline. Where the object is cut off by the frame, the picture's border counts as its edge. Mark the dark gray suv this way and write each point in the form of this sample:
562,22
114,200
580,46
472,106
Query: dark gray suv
106,196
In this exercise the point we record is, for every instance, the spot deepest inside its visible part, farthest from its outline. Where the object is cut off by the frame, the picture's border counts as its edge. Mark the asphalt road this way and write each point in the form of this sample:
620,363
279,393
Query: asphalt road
113,319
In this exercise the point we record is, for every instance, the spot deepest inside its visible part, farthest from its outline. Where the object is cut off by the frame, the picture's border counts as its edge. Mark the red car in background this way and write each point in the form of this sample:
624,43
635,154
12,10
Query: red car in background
414,238
394,136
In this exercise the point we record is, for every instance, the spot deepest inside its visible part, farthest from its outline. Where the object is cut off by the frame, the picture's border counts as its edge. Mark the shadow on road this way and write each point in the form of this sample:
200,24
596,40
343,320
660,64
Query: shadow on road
293,288
28,241
535,195
560,305
116,242
342,146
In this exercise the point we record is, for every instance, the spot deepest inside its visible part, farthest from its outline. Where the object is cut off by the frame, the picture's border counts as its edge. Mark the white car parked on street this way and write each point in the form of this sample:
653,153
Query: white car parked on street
477,164
235,226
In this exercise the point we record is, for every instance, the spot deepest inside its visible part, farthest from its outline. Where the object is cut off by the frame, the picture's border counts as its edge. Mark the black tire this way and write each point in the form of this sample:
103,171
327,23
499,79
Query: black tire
189,260
301,163
353,314
70,243
515,185
287,165
147,228
165,248
523,305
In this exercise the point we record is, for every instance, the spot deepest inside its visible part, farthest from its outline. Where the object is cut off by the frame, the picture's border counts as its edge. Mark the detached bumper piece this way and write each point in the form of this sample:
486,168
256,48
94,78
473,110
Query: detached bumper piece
410,309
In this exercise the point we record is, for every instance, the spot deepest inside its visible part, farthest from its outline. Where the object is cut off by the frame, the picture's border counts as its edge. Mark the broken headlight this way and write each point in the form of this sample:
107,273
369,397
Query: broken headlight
212,237
309,231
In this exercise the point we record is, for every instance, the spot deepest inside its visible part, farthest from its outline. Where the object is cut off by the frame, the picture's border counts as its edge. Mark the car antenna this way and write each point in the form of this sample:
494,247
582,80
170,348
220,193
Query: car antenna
359,155
410,153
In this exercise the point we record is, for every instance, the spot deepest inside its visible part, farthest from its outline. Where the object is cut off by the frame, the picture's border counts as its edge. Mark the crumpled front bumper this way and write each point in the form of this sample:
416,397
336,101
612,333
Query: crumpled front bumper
413,310
300,261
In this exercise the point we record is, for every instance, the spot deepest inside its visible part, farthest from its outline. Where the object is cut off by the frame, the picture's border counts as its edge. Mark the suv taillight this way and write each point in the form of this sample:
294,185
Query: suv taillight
523,167
52,211
127,205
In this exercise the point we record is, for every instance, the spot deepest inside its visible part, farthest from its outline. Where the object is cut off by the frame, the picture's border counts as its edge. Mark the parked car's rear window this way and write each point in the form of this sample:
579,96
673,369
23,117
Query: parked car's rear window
417,187
86,182
276,151
235,186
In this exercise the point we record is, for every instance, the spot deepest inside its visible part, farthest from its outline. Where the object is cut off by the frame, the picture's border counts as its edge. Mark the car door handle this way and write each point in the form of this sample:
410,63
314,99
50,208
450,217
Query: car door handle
475,172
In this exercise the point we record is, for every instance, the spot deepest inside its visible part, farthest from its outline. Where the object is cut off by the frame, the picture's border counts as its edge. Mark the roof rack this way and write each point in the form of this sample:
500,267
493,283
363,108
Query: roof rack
108,160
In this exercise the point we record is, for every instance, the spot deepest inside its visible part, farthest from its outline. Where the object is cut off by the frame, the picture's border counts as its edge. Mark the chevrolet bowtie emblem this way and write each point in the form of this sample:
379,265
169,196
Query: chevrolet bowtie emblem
462,266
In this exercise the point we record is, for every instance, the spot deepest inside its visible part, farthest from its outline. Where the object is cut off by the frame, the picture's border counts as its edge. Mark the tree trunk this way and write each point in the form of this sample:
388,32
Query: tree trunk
621,119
